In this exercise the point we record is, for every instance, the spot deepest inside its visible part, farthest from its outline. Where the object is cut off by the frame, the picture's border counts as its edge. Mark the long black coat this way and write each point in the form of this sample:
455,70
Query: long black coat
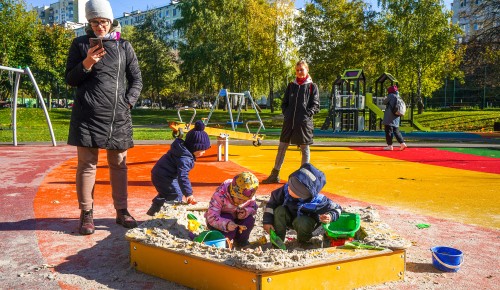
101,112
299,105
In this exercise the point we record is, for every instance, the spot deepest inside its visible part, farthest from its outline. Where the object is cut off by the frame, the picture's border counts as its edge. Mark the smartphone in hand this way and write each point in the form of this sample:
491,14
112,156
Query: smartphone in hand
96,42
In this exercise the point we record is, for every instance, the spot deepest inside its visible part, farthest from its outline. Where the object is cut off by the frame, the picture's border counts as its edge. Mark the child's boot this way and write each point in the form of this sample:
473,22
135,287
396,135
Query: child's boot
86,222
388,148
403,146
124,218
155,207
273,178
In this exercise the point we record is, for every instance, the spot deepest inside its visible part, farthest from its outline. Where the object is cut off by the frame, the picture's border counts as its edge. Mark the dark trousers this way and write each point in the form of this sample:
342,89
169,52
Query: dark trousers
303,225
168,189
236,236
390,131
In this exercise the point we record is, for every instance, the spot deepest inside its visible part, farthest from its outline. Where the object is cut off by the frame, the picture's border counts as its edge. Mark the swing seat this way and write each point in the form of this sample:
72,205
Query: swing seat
235,123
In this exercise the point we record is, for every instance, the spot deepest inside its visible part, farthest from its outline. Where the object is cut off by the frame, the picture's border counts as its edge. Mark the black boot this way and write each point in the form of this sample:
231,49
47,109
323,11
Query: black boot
155,207
273,178
86,222
124,218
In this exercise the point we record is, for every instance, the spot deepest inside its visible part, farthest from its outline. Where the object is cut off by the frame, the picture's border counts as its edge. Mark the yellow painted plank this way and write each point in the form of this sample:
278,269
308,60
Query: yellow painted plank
370,269
187,270
217,132
341,275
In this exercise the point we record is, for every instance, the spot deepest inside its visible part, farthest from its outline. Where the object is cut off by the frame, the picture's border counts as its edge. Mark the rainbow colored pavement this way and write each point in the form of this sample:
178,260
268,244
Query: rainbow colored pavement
453,190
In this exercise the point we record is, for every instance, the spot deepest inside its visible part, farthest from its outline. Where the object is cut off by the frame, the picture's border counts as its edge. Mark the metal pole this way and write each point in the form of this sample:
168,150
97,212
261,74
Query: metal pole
18,70
14,109
484,89
445,88
228,101
453,99
249,96
39,94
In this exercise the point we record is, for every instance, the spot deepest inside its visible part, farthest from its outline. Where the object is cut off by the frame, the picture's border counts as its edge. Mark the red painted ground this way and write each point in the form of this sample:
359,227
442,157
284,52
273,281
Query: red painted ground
433,156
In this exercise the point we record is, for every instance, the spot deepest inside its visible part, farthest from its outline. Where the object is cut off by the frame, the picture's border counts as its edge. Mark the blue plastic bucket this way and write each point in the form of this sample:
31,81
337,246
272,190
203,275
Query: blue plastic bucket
447,259
221,243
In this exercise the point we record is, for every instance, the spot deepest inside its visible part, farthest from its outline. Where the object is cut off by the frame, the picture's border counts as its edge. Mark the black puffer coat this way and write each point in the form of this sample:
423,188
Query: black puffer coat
299,105
173,169
101,112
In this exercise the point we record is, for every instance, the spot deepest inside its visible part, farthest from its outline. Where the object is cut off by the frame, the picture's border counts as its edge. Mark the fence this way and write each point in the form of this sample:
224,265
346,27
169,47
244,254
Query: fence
453,95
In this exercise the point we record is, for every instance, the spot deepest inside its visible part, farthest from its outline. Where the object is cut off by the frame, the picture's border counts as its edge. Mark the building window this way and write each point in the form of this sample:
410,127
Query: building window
174,12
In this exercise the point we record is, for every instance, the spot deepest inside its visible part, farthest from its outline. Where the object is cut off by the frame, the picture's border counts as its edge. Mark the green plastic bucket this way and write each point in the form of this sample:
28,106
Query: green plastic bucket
211,238
344,227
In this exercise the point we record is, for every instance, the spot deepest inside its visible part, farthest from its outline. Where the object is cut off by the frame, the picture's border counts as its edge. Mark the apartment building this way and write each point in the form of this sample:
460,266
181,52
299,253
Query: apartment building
71,13
471,16
168,13
63,12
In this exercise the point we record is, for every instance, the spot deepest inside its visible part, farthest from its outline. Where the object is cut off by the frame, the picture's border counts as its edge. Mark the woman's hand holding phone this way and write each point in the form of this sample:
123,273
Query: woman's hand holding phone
95,53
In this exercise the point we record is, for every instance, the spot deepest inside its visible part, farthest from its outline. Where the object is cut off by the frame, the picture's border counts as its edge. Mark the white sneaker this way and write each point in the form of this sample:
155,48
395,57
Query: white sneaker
403,146
388,148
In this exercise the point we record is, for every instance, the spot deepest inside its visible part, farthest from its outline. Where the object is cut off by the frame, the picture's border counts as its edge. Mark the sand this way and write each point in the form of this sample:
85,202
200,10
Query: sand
168,230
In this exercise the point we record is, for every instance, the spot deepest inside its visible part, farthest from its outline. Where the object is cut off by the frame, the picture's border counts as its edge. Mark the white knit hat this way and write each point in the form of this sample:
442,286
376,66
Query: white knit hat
98,9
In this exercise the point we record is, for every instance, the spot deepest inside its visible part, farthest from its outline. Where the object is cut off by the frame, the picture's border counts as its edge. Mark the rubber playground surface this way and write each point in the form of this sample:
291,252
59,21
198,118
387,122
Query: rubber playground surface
454,190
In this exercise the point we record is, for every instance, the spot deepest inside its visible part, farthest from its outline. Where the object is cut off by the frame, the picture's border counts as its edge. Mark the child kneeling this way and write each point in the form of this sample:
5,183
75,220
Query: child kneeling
170,174
232,208
298,205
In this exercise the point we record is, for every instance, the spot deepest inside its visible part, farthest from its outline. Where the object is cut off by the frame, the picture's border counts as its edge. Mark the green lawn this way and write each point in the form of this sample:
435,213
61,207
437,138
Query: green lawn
153,124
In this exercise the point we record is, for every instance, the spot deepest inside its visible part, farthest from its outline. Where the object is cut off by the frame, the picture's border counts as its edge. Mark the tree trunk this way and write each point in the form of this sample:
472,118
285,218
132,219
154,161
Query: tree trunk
49,101
420,103
271,93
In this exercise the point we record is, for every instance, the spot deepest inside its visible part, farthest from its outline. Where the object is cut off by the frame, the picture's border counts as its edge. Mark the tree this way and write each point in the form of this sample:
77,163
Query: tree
482,48
214,52
232,44
421,41
18,32
156,58
270,29
335,37
50,59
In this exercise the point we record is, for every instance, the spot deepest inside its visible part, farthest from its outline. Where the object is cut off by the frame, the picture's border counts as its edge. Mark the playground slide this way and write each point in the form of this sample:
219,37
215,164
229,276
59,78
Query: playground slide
375,109
380,114
420,127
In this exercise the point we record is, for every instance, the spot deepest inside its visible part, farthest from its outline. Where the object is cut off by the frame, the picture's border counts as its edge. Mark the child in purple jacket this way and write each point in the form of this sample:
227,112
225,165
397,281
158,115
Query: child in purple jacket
232,208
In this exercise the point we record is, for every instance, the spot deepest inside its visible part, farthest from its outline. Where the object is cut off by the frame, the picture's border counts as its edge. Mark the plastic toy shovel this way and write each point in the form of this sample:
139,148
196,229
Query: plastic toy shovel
193,223
275,240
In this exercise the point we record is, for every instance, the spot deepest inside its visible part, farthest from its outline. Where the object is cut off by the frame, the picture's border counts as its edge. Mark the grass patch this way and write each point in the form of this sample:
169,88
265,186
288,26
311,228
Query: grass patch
153,124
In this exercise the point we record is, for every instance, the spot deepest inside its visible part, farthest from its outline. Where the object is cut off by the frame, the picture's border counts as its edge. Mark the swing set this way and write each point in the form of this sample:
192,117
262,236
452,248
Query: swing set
180,128
15,84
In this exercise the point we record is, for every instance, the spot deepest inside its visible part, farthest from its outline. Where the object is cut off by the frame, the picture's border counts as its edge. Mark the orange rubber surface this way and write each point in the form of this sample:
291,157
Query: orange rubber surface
461,205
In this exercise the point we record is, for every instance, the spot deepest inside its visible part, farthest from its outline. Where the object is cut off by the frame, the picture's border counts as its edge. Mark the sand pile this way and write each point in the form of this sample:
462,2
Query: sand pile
168,230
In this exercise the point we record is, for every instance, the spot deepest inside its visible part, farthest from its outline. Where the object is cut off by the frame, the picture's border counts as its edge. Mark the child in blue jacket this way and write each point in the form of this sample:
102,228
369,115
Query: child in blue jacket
170,175
299,205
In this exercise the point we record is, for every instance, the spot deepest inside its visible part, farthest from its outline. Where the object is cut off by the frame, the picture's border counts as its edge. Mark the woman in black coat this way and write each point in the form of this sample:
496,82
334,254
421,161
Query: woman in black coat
108,82
300,103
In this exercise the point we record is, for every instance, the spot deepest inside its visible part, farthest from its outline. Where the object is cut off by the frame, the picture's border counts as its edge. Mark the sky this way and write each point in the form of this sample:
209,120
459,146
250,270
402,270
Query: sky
120,6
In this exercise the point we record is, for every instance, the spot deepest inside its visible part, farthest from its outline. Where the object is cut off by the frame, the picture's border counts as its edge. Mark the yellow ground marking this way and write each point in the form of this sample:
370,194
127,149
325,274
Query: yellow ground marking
460,195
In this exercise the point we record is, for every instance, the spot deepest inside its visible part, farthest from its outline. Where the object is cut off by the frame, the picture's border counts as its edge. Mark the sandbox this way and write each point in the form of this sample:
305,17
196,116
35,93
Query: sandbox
161,247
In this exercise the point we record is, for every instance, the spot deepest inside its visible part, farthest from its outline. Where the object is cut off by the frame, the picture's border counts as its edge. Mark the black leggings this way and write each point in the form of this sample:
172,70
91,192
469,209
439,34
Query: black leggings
390,131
